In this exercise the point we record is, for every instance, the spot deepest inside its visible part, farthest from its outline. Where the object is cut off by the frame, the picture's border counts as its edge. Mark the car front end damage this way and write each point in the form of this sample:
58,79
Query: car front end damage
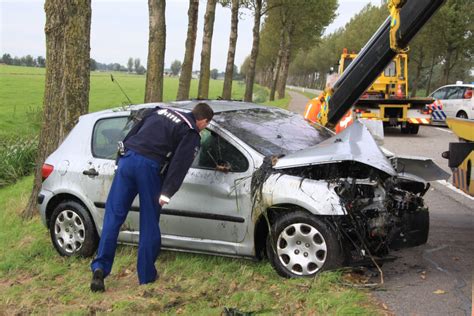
373,201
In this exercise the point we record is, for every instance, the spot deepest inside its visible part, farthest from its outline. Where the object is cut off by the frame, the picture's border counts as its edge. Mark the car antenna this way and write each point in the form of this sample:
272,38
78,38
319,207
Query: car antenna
118,84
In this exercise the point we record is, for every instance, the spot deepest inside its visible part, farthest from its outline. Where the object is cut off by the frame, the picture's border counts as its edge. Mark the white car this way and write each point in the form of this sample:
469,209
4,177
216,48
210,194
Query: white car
454,101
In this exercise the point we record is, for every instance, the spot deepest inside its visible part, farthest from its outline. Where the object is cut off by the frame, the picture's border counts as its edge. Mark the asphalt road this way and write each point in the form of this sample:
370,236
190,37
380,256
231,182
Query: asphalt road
435,278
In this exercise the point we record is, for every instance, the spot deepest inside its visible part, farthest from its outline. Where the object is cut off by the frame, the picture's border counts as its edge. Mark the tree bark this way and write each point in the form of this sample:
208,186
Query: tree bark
419,68
285,66
187,67
250,78
67,81
229,70
430,74
156,51
276,74
205,71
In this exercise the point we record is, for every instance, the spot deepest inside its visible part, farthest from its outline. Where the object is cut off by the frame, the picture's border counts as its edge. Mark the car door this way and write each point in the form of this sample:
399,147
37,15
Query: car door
452,101
99,168
212,204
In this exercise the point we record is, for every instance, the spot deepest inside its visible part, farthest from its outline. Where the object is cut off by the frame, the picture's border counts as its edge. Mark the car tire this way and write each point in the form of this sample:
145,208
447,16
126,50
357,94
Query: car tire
405,130
414,128
461,114
72,230
302,245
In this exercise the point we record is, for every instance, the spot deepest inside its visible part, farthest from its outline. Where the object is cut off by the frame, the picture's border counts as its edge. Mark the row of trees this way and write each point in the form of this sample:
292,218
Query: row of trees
441,53
28,60
40,61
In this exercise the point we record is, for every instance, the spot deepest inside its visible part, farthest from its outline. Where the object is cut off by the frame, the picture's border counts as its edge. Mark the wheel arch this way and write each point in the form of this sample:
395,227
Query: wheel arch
58,199
268,217
460,112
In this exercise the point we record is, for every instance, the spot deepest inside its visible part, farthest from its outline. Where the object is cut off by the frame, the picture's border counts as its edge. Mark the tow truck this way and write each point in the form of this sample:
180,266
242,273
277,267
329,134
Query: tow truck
387,98
392,38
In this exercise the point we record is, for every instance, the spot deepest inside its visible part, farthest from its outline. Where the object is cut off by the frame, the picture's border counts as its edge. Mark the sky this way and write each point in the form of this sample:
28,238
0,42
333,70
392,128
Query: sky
119,30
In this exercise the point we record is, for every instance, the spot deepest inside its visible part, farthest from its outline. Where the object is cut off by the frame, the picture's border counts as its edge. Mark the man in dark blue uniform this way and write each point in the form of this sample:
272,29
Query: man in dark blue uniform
164,137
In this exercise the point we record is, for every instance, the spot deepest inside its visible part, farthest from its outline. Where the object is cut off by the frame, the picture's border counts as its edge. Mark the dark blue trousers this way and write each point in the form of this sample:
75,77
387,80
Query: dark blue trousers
135,174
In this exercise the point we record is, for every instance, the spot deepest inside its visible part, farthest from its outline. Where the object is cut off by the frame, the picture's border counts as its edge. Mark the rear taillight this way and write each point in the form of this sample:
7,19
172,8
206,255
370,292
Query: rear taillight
46,171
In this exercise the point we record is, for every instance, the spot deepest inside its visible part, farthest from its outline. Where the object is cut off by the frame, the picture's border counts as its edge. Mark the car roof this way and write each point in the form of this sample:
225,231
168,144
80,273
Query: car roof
468,85
218,106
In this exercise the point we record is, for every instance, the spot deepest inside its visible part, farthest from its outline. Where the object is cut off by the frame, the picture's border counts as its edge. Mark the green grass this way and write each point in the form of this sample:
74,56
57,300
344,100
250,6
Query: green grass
35,279
21,95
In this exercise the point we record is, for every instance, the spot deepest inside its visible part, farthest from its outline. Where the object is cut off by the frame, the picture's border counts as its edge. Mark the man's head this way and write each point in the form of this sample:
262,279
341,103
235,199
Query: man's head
203,114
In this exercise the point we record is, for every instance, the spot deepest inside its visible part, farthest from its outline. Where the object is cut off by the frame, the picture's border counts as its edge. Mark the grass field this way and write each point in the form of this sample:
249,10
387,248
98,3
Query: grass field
34,279
22,88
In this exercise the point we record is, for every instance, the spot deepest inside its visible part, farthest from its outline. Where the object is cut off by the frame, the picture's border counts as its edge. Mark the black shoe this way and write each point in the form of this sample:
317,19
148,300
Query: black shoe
97,283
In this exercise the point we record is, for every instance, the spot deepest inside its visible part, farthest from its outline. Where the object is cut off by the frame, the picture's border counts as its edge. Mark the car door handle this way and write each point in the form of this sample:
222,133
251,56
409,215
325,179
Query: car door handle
91,172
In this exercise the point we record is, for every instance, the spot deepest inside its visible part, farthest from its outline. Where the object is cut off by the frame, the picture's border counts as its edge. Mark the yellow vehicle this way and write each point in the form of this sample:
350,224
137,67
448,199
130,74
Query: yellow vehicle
461,154
387,98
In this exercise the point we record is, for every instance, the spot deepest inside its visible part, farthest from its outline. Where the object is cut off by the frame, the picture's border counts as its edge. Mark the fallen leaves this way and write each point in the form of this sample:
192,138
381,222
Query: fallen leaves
439,292
423,275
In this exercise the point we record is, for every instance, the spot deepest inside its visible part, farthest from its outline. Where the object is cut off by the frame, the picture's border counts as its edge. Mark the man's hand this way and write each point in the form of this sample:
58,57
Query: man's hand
164,200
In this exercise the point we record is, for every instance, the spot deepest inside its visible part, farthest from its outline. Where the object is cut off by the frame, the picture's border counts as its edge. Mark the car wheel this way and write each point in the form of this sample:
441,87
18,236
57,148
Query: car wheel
301,245
72,230
462,115
414,128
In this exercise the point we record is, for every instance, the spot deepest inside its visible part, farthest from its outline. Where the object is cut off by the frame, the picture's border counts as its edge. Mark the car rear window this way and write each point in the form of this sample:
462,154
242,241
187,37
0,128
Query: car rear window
107,133
272,131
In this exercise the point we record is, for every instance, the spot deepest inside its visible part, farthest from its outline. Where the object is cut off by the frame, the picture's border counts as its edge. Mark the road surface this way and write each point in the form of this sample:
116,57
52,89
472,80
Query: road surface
435,278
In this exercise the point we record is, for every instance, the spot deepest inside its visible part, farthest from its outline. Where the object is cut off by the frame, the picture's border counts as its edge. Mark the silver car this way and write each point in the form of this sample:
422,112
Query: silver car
265,184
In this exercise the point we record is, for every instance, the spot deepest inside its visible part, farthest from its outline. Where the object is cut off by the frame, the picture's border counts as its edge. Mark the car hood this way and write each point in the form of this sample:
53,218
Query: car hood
355,143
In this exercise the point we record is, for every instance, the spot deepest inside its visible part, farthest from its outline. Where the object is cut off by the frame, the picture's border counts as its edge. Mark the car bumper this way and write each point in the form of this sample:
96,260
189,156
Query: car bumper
43,199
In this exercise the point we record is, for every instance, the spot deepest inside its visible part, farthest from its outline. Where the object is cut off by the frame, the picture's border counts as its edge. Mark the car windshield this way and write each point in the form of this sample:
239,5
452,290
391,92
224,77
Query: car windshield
272,131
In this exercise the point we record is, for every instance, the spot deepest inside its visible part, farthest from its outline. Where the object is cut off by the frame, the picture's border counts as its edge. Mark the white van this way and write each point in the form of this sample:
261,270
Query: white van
455,101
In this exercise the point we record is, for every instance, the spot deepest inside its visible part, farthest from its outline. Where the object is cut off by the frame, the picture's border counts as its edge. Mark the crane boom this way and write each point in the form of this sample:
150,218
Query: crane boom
376,55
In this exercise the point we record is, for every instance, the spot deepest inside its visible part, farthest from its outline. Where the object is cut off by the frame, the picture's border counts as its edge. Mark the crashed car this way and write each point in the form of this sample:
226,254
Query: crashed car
265,183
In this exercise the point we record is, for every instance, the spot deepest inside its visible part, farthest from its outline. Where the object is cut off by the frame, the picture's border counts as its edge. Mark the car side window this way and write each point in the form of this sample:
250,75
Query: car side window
439,94
215,151
455,93
107,133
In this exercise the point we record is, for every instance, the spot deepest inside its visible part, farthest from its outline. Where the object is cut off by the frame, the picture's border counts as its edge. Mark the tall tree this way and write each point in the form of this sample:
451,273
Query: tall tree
66,94
156,51
229,70
187,67
257,6
298,30
175,67
205,70
456,32
130,64
136,63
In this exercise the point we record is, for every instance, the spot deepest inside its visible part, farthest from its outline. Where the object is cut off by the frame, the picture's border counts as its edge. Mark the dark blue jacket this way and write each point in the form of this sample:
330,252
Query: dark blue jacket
166,135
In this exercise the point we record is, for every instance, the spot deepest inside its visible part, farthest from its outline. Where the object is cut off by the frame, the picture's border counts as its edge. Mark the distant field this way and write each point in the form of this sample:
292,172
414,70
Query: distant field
22,88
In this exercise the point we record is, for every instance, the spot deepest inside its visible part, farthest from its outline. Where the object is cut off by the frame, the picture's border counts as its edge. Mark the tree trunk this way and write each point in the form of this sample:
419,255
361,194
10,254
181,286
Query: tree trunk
447,65
205,72
156,51
66,93
419,68
285,66
430,75
187,67
229,70
250,78
276,73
